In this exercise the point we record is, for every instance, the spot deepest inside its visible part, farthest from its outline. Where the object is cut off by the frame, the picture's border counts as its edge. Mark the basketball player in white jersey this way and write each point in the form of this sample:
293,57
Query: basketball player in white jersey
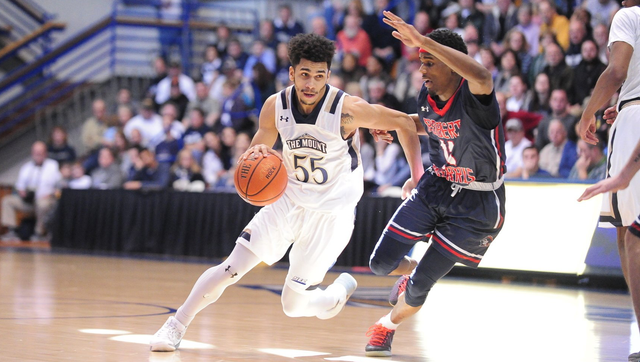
622,207
318,125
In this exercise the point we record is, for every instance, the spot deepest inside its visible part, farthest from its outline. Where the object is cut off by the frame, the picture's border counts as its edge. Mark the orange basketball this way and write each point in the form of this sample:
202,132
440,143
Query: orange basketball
261,181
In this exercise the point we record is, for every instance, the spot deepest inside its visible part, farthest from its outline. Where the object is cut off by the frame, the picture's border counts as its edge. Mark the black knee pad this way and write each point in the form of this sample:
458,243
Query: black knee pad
431,268
387,255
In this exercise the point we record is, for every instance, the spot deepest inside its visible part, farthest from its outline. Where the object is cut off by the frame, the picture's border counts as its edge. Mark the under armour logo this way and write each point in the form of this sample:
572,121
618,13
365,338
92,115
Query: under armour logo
233,275
283,118
425,109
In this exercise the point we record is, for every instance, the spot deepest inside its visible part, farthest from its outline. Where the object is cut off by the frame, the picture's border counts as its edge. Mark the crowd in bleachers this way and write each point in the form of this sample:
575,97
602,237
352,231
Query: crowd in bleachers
186,133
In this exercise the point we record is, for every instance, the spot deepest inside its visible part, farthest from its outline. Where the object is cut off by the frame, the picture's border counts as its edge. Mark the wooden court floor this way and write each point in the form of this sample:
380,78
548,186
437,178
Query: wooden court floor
70,307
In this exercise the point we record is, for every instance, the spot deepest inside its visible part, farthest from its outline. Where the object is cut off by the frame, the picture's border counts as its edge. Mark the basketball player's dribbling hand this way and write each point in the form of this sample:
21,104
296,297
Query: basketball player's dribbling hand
257,151
404,32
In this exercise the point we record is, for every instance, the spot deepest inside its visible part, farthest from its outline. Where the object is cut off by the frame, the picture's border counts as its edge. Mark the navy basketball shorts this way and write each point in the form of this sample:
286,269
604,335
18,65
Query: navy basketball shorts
460,224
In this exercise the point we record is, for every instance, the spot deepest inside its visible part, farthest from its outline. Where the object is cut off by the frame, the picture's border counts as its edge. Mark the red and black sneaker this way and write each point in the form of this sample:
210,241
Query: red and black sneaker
380,343
398,288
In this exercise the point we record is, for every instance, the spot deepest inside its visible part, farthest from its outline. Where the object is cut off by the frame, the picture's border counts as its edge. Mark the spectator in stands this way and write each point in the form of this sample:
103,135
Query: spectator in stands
601,37
354,40
286,26
540,61
601,11
559,156
35,189
529,120
378,95
521,97
516,41
136,138
212,167
211,107
502,17
541,95
530,165
222,37
471,39
268,35
319,26
120,150
160,68
235,108
262,84
390,165
577,36
470,15
587,72
175,75
58,148
241,143
385,46
124,114
282,66
65,177
410,99
185,173
554,22
210,69
94,127
509,66
236,55
169,147
450,18
375,69
108,175
591,163
79,180
178,99
124,99
559,110
514,146
560,74
488,60
350,70
227,142
147,173
530,30
260,54
367,154
148,122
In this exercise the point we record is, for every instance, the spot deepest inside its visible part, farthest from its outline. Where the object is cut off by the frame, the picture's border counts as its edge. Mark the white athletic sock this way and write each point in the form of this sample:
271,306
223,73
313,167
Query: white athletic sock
387,323
209,287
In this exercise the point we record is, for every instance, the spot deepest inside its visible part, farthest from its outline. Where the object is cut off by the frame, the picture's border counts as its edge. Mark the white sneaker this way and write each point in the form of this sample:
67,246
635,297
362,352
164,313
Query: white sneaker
349,284
168,338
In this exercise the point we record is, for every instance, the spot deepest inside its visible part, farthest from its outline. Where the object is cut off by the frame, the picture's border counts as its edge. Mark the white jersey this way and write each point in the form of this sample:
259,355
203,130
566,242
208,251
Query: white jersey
626,27
325,171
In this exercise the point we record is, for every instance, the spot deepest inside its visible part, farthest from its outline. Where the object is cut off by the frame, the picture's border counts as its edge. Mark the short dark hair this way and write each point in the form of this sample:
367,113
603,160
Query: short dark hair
313,47
448,38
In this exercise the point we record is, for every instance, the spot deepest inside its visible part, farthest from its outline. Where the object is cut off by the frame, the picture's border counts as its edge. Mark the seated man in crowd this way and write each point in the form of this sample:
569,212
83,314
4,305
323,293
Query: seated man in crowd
147,172
108,175
35,193
514,146
559,156
531,165
591,164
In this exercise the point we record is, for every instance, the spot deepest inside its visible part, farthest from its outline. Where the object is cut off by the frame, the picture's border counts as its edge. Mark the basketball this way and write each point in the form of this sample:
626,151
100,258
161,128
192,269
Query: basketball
261,181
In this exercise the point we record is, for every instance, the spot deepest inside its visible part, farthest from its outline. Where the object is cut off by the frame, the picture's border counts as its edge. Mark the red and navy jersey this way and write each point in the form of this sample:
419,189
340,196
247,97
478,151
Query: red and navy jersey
466,138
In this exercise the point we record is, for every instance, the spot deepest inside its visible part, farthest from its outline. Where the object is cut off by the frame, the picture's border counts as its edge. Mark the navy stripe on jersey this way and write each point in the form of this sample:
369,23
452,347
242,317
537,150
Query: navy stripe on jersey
336,100
312,117
352,153
283,96
245,235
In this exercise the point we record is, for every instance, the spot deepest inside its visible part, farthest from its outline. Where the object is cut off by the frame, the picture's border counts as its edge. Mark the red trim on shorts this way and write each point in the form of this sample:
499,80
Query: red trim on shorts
403,234
635,226
454,252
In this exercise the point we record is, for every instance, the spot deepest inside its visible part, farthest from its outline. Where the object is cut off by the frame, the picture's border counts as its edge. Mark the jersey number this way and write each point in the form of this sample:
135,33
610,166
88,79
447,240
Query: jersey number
310,170
447,148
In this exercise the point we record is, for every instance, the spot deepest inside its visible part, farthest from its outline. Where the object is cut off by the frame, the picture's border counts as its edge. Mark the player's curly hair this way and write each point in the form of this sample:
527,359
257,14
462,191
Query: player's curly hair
312,47
448,38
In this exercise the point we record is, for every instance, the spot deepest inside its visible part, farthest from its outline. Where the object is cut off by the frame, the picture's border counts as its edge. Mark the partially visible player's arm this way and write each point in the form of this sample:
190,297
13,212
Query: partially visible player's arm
356,112
419,125
267,134
609,82
618,182
479,78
